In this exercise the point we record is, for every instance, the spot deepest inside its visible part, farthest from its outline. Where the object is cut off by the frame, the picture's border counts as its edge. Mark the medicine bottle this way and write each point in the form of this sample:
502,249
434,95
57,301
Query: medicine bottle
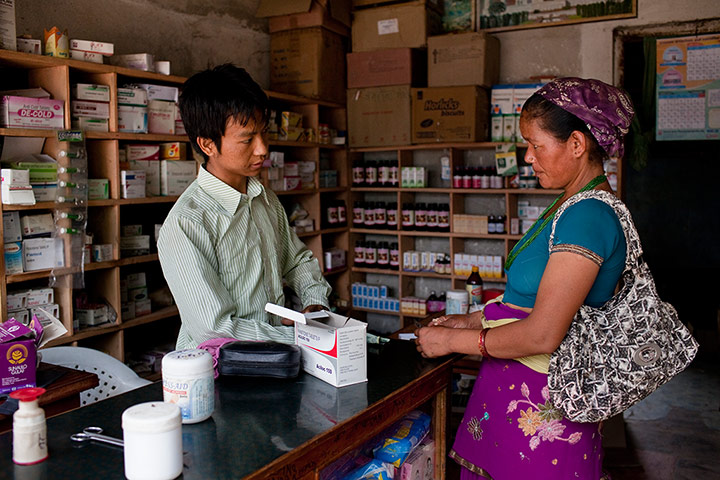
188,381
152,435
474,286
392,215
359,254
29,429
358,214
394,256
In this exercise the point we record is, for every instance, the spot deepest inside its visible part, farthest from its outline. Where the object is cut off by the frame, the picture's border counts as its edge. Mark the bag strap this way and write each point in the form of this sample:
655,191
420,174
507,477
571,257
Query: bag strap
632,238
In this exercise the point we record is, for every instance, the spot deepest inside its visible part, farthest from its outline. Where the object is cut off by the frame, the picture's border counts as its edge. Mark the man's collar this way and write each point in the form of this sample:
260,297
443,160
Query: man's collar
226,195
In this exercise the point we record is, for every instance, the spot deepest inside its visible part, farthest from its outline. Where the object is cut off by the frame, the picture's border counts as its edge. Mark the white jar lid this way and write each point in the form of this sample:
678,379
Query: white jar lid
457,294
152,417
188,362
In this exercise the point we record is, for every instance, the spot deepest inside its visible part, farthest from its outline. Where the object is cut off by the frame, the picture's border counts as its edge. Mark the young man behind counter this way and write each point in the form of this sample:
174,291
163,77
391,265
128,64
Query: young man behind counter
226,245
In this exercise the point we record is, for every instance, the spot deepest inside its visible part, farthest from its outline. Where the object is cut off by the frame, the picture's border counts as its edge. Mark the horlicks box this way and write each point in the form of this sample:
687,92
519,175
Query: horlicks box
18,357
334,347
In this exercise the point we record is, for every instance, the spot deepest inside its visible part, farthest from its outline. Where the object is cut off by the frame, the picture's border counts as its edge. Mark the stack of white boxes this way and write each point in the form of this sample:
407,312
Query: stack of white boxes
132,110
133,242
16,188
90,50
506,102
38,302
28,243
90,107
162,108
527,214
134,296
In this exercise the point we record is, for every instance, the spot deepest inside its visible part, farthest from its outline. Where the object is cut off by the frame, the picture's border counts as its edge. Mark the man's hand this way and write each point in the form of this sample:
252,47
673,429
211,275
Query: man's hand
309,308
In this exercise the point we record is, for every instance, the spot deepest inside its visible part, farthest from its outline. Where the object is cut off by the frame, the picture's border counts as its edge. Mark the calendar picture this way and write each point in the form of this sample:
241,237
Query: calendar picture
688,88
500,15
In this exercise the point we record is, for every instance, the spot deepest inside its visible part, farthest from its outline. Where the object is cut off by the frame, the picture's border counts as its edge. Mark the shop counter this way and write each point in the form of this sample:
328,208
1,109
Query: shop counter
262,427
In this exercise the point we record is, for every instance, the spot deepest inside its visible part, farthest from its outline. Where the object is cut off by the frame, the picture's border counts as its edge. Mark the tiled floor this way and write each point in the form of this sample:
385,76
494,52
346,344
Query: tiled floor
674,434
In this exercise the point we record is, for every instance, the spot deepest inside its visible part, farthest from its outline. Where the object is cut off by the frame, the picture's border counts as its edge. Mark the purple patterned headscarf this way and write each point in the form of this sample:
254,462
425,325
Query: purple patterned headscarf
606,110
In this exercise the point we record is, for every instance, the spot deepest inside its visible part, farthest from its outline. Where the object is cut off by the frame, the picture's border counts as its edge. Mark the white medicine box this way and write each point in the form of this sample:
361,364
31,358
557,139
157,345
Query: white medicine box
334,347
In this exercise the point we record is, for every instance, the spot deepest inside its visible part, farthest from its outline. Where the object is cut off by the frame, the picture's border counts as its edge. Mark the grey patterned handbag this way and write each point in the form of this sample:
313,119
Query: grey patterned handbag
614,356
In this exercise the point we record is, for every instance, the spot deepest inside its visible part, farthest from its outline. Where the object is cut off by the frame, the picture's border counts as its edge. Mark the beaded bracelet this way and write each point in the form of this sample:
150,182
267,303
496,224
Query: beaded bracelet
481,343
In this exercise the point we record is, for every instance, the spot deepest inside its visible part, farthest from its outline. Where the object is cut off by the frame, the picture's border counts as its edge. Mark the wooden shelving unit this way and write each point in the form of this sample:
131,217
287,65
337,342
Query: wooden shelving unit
105,217
456,198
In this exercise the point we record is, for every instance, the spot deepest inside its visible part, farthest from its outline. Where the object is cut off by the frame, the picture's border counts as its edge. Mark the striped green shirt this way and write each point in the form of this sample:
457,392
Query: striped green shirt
225,254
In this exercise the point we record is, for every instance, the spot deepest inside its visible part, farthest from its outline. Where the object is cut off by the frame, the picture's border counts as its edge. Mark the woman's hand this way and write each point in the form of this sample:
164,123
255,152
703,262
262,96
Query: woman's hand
472,320
433,341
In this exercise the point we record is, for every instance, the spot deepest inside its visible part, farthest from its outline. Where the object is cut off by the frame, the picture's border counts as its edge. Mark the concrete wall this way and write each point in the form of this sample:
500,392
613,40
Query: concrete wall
191,34
586,49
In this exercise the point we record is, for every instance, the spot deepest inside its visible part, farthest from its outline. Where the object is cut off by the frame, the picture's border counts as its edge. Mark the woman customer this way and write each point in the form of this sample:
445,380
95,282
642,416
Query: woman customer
510,429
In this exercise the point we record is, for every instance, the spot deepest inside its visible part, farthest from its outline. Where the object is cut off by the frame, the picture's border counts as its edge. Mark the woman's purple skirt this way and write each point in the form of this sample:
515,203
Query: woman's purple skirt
510,429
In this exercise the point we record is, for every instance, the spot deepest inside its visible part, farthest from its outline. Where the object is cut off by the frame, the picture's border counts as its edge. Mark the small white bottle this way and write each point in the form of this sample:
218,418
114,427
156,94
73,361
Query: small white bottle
29,428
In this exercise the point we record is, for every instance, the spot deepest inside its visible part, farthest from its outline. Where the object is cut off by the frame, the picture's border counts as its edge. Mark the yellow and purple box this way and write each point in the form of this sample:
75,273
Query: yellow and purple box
18,355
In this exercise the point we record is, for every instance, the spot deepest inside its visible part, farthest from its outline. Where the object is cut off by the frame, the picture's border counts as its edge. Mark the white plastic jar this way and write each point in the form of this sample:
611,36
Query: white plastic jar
456,302
152,433
189,382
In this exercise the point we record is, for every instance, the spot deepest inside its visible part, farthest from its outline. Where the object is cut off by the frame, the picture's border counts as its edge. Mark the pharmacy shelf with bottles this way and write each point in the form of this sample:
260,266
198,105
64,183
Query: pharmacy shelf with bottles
441,209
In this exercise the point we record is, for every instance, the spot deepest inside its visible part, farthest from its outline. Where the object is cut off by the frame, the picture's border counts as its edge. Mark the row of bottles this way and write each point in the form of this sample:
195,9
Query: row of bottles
381,173
372,254
476,177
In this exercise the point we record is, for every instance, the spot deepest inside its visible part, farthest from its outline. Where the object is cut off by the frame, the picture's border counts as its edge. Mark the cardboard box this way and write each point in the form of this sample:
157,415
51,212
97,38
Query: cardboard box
40,296
292,14
98,189
393,66
402,25
137,61
13,258
44,191
141,151
132,119
160,92
102,252
26,112
334,347
471,58
135,245
450,114
44,312
11,227
18,356
379,116
173,151
35,225
41,167
86,56
29,45
16,300
91,92
152,175
91,124
103,48
8,32
17,195
176,176
161,117
309,62
133,97
133,183
42,254
85,108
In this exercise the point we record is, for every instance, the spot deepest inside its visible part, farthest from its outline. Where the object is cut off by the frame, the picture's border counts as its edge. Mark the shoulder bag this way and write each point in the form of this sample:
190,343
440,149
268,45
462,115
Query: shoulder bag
614,356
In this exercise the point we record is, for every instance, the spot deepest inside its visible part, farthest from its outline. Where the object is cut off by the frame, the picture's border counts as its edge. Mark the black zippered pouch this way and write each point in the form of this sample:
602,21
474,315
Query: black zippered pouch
259,359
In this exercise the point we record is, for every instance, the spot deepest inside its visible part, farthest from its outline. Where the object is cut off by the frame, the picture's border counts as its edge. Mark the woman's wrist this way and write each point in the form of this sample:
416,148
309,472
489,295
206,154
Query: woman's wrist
481,343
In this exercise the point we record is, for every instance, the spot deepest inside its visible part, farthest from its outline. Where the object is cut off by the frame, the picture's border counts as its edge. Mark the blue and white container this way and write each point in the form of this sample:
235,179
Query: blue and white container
189,382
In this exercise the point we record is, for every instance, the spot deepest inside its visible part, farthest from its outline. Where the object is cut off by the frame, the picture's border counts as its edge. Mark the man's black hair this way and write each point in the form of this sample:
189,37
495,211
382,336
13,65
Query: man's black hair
560,124
211,97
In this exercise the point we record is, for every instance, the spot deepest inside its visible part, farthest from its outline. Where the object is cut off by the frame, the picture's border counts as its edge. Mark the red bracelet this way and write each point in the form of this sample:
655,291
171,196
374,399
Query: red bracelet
481,343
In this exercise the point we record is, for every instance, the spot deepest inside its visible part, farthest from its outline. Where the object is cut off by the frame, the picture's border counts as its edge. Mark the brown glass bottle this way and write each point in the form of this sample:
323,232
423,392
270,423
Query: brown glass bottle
474,287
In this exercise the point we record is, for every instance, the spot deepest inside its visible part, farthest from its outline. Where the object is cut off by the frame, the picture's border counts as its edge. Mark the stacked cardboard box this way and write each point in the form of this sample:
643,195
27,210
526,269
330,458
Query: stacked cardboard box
388,58
307,47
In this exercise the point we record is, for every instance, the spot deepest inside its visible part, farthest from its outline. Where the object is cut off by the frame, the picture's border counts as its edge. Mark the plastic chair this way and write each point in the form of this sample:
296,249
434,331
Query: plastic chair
114,376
